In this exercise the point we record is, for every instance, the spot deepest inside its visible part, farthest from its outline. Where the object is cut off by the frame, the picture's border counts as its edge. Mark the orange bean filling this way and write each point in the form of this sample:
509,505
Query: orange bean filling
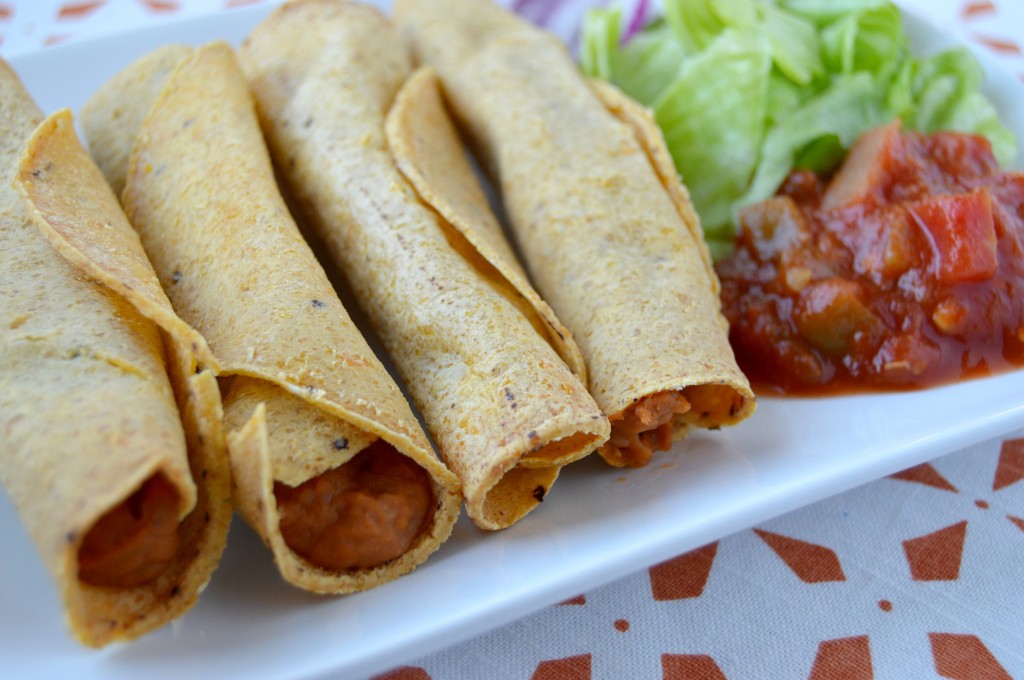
645,427
134,542
359,515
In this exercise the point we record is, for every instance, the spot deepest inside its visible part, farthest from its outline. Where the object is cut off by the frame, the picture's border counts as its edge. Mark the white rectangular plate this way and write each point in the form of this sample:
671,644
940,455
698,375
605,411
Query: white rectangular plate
599,523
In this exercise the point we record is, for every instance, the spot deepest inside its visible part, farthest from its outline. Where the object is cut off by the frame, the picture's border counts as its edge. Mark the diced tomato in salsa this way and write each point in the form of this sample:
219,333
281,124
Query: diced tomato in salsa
905,269
962,231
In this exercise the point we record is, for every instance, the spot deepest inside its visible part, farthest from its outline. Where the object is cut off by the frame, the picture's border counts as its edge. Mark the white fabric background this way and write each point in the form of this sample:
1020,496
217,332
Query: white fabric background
754,618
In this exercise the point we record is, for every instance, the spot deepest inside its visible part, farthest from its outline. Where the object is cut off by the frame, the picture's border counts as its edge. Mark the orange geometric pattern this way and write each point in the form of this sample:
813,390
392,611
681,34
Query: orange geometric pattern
1010,468
404,673
843,659
976,9
811,563
690,667
964,657
936,556
578,600
569,668
160,6
1004,46
77,10
684,576
925,474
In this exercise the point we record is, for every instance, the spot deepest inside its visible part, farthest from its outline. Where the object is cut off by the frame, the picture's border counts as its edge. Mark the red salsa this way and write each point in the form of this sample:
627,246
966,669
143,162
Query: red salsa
905,269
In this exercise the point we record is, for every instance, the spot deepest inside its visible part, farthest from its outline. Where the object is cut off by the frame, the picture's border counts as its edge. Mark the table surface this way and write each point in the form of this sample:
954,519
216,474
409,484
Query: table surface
918,575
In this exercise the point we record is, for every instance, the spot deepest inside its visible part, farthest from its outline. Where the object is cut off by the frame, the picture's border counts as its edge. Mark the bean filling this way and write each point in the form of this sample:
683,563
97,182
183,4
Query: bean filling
359,515
133,543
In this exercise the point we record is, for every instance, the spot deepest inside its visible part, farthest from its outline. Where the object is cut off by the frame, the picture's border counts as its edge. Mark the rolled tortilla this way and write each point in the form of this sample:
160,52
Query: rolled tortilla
606,230
481,354
329,462
107,115
124,491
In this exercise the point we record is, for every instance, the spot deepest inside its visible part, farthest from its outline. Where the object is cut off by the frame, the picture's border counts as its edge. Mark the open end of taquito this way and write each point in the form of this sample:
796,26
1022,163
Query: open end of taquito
428,152
479,358
140,565
341,508
200,190
602,221
653,422
123,482
93,523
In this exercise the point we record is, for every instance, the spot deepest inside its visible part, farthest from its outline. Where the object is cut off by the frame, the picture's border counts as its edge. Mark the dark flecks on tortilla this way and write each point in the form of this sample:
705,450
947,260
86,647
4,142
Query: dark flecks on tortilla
538,493
340,444
317,303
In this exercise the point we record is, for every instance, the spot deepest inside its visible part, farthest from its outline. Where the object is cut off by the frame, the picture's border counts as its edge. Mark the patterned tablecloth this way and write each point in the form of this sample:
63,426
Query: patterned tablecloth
918,575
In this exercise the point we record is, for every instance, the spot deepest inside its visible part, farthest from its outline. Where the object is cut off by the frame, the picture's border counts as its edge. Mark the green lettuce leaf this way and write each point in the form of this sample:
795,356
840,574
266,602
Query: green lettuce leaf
794,44
867,40
822,12
600,41
648,64
713,117
696,23
845,110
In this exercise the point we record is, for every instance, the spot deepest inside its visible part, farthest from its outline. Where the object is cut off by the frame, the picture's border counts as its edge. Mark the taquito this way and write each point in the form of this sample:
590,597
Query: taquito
605,227
112,456
330,466
481,354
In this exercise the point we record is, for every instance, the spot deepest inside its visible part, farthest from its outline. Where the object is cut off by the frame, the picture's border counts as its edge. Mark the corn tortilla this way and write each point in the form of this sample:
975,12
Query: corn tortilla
201,192
78,213
374,163
88,413
429,154
611,241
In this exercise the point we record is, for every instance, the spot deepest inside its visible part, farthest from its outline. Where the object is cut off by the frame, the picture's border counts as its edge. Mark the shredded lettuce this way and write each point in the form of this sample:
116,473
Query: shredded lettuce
746,90
713,115
840,113
647,63
870,40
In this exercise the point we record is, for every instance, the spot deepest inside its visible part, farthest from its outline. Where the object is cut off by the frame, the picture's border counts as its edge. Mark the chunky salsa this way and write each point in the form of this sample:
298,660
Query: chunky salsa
904,270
